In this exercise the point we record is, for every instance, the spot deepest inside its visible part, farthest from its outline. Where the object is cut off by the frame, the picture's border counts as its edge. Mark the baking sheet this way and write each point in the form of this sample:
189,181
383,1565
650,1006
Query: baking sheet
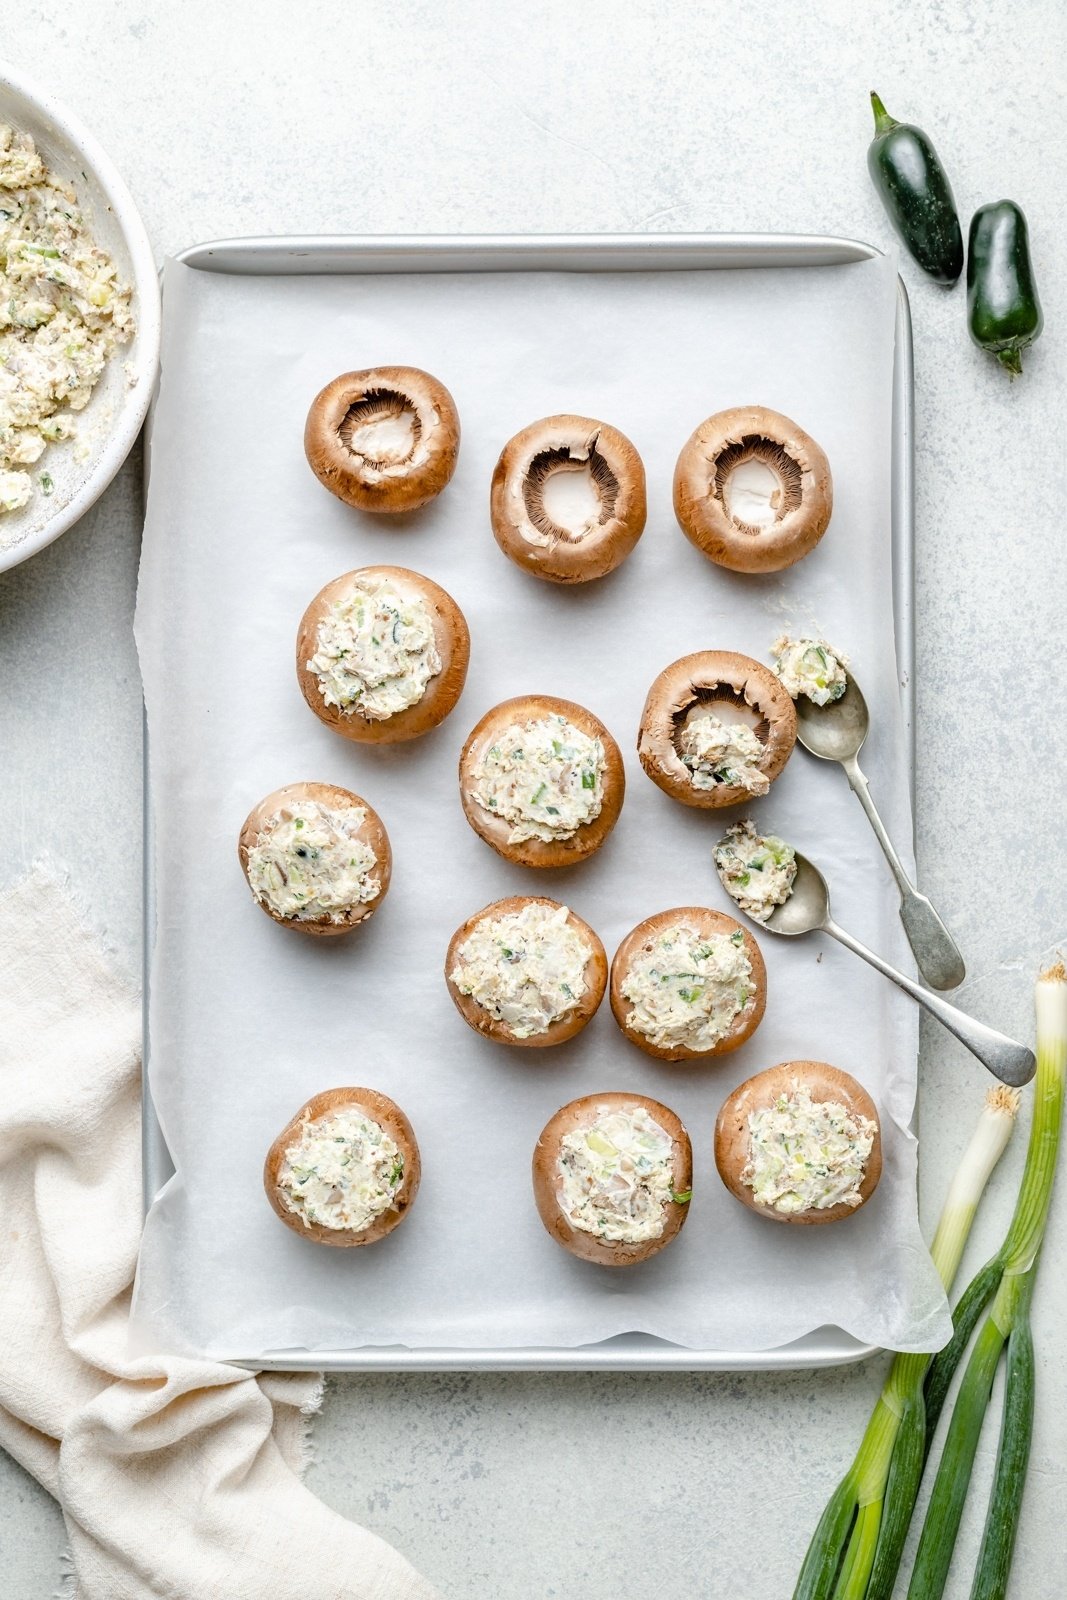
243,1026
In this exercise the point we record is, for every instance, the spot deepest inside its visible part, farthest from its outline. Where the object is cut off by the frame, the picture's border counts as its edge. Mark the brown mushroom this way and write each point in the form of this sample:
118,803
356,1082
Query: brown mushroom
752,490
496,829
282,807
562,1026
568,499
548,1180
384,439
366,717
733,1140
640,943
735,690
375,1107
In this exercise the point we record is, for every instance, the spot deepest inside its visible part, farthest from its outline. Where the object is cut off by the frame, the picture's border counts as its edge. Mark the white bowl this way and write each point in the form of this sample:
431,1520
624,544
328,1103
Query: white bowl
112,420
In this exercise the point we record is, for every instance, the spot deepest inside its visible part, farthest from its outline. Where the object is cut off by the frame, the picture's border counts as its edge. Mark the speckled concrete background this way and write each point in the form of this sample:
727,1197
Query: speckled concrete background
658,114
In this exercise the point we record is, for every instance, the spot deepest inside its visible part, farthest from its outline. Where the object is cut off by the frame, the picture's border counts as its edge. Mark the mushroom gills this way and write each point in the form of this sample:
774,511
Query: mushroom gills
758,483
568,495
383,428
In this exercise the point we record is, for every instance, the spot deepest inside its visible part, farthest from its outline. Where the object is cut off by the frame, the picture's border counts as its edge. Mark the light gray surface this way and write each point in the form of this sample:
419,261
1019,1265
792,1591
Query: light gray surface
656,113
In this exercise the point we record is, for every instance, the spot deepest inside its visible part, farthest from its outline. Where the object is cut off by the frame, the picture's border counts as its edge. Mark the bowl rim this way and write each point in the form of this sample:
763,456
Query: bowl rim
146,284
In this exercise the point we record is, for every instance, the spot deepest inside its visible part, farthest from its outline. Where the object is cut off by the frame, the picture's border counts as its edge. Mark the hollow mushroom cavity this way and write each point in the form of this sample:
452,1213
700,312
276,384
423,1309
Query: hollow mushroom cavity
384,439
752,490
568,498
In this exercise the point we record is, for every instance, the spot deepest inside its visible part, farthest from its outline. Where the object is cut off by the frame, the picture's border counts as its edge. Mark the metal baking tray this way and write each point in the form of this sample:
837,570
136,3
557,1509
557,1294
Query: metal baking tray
633,252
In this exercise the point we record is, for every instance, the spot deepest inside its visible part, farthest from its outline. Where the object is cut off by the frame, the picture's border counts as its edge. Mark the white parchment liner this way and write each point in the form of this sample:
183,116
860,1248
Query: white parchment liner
247,1020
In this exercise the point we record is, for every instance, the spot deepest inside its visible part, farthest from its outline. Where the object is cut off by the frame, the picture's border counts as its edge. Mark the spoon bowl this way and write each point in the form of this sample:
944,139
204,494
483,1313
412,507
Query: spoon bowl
837,730
808,907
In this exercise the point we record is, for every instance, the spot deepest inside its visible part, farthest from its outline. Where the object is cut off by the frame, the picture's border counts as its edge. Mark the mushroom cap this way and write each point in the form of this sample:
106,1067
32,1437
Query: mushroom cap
722,442
823,1082
379,1108
383,485
712,925
546,1179
549,446
495,830
451,636
371,832
693,680
565,1027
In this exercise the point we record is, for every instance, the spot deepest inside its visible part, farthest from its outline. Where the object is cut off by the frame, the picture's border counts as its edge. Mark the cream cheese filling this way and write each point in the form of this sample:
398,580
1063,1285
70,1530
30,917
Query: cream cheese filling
343,1171
687,990
616,1176
375,650
544,777
722,753
757,870
525,968
810,667
308,863
807,1155
63,313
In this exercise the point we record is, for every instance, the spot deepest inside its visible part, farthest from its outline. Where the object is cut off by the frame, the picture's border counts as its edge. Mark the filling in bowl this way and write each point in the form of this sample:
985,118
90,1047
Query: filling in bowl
309,863
544,778
375,650
810,667
721,753
807,1155
687,990
616,1176
525,968
756,869
342,1172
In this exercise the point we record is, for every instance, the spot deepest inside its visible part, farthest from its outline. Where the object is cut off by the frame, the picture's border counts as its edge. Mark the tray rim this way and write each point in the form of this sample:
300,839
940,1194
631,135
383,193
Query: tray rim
309,254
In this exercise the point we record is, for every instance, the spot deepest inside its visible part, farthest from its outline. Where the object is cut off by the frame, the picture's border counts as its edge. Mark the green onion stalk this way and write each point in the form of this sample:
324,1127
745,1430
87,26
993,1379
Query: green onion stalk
1010,1287
859,1527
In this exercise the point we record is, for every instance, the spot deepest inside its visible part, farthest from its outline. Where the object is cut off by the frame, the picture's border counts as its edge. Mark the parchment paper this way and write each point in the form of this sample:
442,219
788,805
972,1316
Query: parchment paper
247,1020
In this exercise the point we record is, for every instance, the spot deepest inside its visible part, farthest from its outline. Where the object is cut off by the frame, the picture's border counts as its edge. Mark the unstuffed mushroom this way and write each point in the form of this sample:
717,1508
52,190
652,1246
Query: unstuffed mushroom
384,439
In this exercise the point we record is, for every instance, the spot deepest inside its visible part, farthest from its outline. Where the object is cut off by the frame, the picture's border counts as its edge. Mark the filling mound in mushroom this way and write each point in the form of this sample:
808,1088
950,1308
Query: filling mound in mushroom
686,990
568,495
617,1176
342,1172
543,777
526,968
375,650
807,1155
811,667
310,864
756,869
757,482
719,753
383,429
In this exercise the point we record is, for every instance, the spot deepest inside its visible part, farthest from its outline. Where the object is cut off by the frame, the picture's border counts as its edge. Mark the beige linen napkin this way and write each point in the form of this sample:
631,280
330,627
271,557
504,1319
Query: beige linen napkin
176,1477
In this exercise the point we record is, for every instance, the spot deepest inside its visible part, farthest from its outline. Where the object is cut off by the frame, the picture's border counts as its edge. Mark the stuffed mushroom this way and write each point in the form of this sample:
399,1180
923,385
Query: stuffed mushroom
541,781
526,971
345,1170
752,490
613,1177
568,499
716,730
316,858
800,1142
688,984
382,655
384,439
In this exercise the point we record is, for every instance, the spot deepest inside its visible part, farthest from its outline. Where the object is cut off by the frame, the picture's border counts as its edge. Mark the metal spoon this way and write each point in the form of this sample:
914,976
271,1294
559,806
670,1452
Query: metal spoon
835,732
808,910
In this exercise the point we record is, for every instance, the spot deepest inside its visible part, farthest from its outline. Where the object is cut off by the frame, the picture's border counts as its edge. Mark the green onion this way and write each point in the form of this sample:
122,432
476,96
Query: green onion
855,1538
1007,1324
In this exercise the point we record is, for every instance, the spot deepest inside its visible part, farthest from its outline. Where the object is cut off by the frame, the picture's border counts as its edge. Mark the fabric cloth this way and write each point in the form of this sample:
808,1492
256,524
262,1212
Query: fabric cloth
176,1477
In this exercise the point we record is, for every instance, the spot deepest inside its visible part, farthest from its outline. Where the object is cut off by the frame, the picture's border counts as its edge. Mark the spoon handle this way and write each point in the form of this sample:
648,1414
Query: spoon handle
1010,1062
934,948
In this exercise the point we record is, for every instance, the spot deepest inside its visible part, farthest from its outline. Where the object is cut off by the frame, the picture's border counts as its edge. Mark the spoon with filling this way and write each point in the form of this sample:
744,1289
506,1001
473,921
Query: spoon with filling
832,724
795,900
